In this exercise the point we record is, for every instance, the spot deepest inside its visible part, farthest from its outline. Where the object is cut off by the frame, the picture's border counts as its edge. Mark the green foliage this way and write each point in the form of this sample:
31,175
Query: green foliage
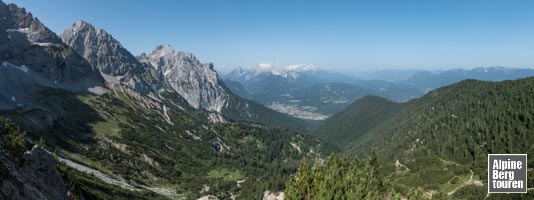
41,142
462,122
440,137
337,178
118,135
439,196
13,138
470,192
359,118
226,174
416,194
57,51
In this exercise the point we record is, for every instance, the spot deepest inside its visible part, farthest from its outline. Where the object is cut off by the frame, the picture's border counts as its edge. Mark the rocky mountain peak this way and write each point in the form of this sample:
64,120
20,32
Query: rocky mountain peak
164,47
101,49
82,24
13,18
166,52
142,57
198,83
32,58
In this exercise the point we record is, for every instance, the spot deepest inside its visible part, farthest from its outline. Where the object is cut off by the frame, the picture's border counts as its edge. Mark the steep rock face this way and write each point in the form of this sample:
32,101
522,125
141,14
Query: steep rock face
120,68
32,58
12,16
196,82
101,49
104,52
36,178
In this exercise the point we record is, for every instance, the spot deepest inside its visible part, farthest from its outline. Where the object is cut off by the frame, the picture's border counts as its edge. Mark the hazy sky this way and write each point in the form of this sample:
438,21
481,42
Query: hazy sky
397,34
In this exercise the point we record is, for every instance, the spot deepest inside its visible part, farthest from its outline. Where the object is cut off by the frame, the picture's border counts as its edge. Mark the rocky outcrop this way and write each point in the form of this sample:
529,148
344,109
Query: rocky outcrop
145,102
214,118
101,49
104,52
37,178
268,195
32,57
13,17
196,82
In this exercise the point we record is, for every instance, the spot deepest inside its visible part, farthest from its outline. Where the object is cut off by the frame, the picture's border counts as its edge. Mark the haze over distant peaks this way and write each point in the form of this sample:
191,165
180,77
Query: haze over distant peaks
285,71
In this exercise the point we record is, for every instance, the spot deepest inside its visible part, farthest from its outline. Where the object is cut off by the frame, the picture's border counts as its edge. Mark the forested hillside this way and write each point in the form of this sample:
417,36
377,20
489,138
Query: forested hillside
244,110
357,120
440,142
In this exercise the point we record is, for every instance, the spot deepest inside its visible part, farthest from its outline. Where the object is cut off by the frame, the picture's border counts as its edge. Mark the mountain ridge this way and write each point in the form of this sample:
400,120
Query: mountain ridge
446,134
116,64
33,57
197,83
164,73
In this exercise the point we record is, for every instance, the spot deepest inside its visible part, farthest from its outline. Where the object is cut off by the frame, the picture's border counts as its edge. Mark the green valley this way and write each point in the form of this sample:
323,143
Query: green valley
175,150
384,103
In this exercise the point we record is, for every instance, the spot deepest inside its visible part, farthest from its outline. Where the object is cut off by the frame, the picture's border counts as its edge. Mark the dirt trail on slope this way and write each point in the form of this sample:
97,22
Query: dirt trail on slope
471,181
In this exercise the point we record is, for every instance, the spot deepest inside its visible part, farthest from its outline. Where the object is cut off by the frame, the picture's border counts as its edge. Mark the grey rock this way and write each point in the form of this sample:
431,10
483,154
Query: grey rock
164,71
196,82
104,52
36,178
146,102
12,16
214,118
101,49
33,58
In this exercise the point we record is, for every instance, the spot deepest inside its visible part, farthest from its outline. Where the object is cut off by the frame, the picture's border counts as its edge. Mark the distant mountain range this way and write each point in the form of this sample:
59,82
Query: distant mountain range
309,93
429,80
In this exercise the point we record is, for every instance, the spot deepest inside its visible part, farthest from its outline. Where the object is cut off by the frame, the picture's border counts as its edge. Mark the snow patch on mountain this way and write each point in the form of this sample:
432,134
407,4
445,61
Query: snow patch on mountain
289,71
20,67
22,30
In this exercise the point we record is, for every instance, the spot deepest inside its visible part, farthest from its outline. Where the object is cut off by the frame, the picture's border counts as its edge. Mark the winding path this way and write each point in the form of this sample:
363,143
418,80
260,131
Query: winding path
471,181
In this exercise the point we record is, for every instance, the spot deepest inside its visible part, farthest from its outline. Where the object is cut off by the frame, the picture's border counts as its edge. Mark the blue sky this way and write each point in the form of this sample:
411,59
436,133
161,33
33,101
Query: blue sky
344,35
